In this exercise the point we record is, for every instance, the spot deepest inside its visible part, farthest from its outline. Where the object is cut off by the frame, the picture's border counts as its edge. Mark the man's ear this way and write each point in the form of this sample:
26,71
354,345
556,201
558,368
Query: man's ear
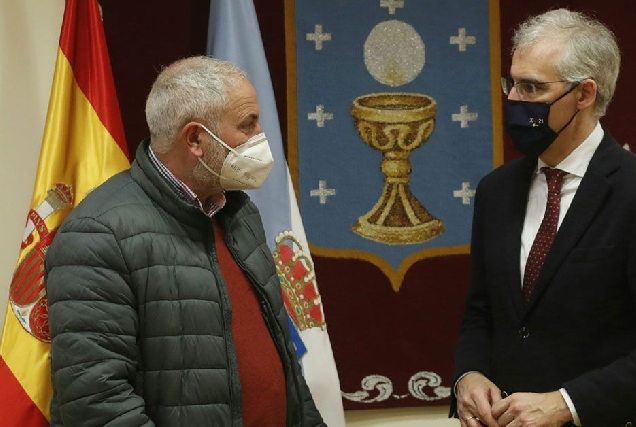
191,137
587,94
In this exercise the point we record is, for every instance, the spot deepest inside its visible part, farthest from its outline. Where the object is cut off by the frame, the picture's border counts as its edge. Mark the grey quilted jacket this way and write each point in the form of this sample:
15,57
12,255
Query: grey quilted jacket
140,316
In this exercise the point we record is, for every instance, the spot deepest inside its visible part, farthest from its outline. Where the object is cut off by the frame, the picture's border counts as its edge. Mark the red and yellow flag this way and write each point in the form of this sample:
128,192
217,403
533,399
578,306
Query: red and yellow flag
82,146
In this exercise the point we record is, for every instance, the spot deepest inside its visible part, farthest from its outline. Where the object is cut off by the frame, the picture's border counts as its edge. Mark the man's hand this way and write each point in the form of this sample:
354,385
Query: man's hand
475,396
532,409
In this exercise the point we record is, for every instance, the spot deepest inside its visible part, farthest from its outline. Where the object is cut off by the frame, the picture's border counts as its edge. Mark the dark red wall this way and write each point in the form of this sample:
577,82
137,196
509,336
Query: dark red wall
144,35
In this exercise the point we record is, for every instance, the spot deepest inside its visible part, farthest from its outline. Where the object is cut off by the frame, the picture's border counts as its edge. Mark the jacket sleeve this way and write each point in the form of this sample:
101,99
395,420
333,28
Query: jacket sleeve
93,323
472,350
312,416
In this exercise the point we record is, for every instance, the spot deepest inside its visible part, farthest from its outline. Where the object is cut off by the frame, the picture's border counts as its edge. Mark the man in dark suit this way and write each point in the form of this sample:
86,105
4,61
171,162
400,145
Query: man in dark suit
549,332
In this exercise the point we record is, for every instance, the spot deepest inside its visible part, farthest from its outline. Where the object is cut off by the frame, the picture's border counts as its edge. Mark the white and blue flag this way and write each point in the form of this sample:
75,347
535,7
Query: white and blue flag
234,36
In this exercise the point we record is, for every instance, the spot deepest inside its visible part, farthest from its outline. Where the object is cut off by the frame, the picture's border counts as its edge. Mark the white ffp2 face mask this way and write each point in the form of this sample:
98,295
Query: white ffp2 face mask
246,166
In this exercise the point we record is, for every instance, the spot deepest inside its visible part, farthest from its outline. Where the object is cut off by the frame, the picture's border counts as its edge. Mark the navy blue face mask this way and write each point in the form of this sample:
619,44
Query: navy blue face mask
527,124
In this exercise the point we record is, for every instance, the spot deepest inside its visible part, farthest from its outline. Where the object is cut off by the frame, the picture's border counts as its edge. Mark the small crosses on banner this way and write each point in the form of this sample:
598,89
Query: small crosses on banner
464,116
465,193
462,40
318,37
392,5
323,192
320,116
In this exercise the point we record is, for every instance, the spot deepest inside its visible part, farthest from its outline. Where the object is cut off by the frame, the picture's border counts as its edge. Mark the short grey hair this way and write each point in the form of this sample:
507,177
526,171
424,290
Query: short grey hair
589,49
190,89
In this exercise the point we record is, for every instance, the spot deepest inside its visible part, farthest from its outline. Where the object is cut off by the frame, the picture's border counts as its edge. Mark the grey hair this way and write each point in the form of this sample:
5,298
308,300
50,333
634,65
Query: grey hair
589,49
190,89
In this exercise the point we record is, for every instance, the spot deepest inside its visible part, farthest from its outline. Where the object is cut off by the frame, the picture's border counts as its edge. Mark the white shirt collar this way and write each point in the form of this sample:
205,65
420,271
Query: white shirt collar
577,161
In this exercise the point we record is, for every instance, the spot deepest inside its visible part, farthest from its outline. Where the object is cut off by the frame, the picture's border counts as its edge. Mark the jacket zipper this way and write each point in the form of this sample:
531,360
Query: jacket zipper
265,310
233,373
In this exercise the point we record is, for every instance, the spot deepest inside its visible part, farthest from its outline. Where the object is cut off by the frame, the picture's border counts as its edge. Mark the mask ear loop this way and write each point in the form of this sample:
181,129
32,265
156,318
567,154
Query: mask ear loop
549,103
218,139
209,169
569,121
573,115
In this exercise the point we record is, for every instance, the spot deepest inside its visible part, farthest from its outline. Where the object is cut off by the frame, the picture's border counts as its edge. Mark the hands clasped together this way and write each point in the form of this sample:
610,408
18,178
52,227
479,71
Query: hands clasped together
480,403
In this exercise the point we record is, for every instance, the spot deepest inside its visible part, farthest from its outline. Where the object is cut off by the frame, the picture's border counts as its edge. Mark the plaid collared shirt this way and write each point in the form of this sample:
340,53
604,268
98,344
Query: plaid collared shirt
183,191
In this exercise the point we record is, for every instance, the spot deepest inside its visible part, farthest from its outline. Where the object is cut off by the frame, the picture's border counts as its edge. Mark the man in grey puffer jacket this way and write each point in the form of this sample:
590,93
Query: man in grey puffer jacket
164,303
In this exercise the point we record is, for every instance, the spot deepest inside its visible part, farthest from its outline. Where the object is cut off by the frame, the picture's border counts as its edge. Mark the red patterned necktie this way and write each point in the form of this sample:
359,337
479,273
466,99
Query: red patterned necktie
547,230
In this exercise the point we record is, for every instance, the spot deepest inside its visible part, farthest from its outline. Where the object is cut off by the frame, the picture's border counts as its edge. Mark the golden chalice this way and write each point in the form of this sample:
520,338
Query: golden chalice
396,124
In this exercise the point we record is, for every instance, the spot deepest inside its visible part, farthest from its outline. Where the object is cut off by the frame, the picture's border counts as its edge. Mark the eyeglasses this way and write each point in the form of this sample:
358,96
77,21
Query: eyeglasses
524,88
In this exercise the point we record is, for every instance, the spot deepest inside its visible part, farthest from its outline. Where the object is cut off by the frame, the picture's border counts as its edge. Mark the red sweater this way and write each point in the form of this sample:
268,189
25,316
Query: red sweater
260,368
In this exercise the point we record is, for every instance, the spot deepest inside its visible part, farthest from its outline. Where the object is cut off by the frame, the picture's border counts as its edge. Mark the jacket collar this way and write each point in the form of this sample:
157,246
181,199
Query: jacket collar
163,194
590,196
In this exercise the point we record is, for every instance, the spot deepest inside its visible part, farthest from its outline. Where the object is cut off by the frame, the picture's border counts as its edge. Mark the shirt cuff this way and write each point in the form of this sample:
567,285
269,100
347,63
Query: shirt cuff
568,401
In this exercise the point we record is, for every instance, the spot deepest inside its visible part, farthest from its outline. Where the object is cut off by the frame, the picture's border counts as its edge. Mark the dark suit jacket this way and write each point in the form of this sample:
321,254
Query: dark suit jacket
579,329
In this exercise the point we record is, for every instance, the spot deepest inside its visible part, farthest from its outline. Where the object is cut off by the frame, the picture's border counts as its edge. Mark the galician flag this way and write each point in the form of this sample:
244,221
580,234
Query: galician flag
234,36
83,145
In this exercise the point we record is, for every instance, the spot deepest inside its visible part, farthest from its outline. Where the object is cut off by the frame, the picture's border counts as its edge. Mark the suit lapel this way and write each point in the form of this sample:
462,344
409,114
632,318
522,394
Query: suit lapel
517,193
589,198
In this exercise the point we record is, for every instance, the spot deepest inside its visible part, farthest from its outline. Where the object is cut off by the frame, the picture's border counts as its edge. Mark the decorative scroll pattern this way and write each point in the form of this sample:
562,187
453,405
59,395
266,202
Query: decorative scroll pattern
418,385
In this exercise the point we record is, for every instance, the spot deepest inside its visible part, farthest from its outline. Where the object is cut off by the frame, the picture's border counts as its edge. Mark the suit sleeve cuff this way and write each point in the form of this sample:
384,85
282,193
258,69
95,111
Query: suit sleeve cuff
568,401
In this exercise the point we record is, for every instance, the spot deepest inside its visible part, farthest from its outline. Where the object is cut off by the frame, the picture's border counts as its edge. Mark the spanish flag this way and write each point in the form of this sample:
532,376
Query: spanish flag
82,146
